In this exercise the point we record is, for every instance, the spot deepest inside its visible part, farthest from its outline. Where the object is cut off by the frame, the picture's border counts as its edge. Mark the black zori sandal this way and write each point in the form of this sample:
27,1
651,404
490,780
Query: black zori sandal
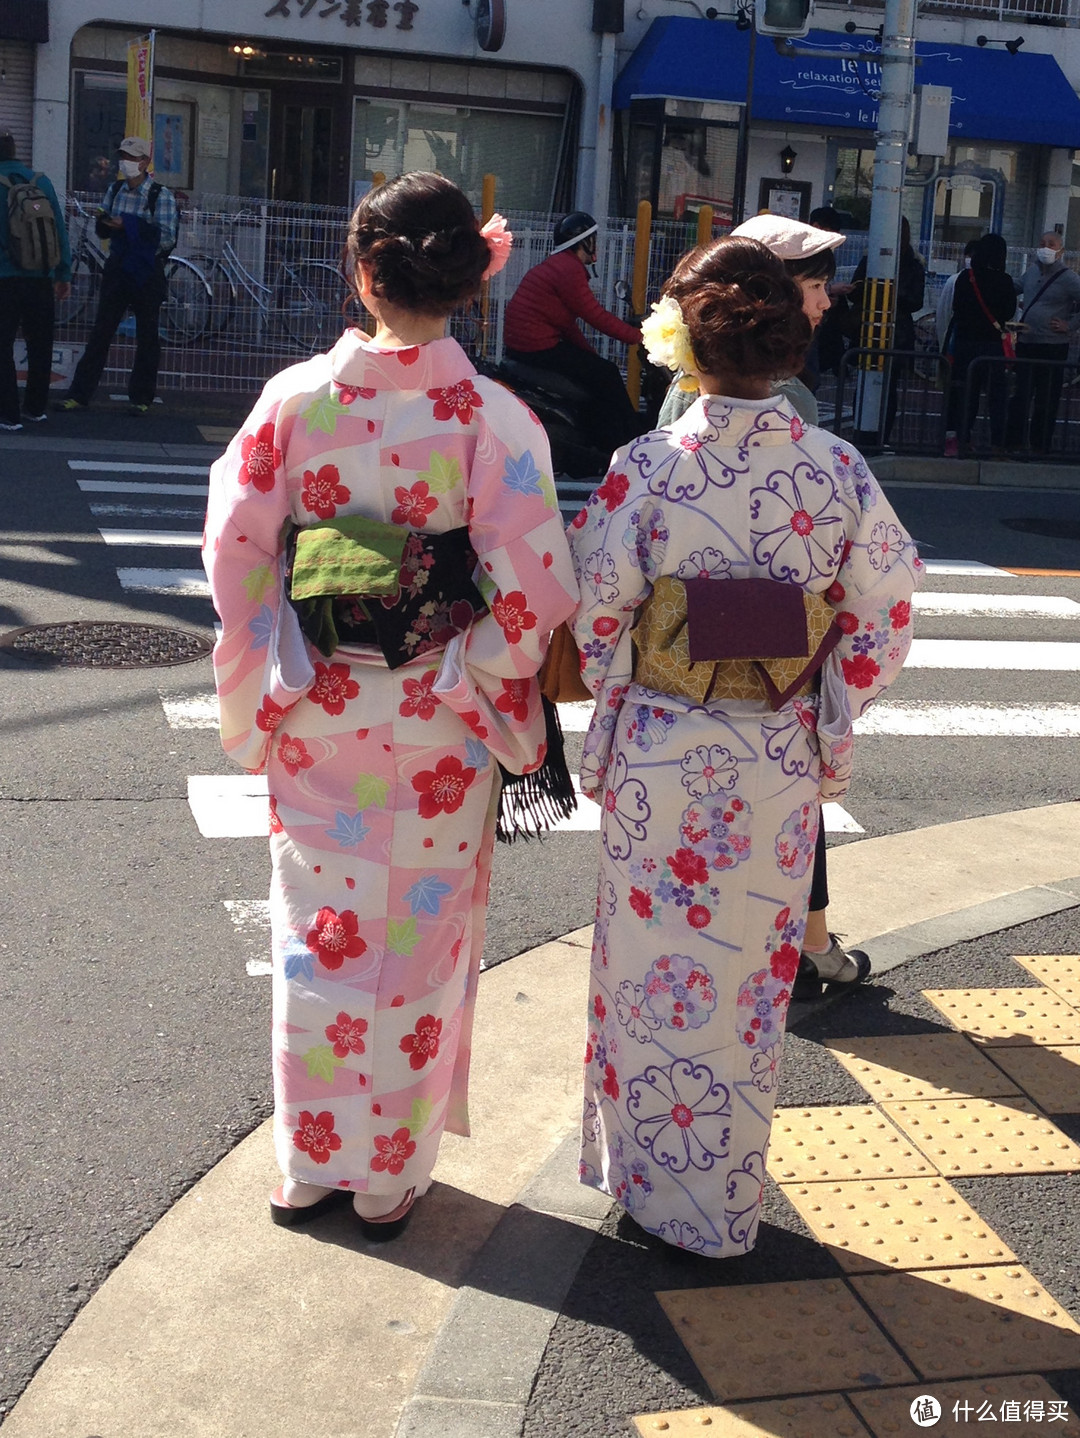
292,1215
388,1225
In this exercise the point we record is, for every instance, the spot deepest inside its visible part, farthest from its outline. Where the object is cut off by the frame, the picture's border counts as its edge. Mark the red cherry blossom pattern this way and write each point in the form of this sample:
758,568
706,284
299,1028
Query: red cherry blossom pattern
269,715
261,459
418,700
442,790
422,1045
513,615
347,1035
315,1135
392,1151
335,937
333,686
323,491
414,505
514,700
456,400
293,755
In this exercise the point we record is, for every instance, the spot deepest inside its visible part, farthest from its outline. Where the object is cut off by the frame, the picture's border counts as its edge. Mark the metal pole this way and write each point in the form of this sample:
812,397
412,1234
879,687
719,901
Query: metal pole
883,250
639,294
738,206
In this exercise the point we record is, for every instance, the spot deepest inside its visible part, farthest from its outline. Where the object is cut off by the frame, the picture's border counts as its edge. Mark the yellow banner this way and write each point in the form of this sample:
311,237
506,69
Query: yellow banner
139,119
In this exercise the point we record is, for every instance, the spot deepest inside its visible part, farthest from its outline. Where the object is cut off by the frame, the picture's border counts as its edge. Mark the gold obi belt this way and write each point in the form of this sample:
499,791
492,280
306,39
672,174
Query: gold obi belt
710,640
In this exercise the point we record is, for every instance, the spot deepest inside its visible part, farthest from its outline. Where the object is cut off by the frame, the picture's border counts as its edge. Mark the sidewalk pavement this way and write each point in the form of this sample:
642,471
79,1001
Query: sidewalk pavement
219,1325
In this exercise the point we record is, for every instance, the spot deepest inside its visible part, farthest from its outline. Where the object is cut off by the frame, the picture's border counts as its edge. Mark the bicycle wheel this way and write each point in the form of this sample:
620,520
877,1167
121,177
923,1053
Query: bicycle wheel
309,298
84,282
222,292
185,315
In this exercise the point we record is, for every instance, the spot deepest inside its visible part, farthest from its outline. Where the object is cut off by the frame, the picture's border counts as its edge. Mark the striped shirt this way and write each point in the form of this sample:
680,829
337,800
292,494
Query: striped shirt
128,201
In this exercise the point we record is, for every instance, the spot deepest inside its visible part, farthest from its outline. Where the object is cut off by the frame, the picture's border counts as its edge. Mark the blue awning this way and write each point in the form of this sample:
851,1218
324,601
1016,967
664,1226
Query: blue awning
1022,98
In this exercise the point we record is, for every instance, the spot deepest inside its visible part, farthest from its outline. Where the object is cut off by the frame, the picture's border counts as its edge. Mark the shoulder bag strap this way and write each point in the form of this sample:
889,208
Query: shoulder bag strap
997,325
1043,288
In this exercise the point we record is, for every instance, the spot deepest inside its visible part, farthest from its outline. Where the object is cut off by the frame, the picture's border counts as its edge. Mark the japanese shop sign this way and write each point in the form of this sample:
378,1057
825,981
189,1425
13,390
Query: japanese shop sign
352,12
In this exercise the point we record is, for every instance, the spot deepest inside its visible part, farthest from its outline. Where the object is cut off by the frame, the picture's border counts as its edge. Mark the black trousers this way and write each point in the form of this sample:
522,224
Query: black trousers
994,378
118,295
1036,397
819,885
26,303
611,420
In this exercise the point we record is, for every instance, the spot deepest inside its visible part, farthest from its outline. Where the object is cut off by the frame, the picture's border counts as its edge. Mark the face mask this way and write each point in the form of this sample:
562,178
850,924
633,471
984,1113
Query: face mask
129,169
967,262
1045,255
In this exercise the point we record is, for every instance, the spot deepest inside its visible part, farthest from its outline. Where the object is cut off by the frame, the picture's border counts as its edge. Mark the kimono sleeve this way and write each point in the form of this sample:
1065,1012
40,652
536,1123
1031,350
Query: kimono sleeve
610,543
525,575
261,662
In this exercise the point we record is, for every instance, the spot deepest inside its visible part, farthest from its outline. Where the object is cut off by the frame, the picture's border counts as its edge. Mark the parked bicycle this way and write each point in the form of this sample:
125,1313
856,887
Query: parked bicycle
185,314
305,297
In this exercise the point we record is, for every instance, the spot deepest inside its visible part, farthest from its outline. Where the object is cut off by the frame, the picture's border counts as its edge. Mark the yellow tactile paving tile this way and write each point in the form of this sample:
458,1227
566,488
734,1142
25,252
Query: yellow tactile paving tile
972,1322
1008,1016
1060,972
897,1224
1050,1077
981,1137
824,1416
907,1066
1021,1401
763,1340
855,1141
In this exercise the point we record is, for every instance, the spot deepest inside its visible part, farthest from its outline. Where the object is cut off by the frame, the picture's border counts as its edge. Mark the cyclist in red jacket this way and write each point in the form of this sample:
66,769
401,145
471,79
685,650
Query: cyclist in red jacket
541,329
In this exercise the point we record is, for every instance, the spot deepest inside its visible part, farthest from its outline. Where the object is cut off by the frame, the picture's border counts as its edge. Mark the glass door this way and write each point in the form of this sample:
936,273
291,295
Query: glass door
302,148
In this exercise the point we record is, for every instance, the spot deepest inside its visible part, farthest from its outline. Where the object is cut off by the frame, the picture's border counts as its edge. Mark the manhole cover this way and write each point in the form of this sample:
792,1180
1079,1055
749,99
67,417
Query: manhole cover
1048,528
84,644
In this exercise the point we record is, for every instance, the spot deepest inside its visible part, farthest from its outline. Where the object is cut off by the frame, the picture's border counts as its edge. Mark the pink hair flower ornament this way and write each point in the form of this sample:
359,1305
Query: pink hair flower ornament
499,241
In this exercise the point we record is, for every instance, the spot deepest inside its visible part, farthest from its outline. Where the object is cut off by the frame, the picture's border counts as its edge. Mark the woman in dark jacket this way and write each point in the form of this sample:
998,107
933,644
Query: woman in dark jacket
984,298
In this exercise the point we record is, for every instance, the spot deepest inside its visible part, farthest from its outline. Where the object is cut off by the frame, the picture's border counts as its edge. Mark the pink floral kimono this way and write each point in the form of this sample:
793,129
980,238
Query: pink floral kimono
382,782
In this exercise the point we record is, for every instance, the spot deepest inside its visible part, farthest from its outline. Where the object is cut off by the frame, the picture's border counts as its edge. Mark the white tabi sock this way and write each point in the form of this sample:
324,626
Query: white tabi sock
303,1195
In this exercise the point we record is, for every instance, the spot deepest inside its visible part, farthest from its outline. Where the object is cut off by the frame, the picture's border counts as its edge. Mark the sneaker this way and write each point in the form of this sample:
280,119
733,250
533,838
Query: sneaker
10,428
36,418
70,404
138,409
952,447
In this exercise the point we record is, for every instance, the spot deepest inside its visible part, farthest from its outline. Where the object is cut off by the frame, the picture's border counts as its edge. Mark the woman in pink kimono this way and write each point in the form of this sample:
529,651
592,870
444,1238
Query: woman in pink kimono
386,556
745,593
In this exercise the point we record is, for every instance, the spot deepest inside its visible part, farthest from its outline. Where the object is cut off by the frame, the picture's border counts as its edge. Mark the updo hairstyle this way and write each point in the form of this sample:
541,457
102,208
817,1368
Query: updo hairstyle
742,309
421,241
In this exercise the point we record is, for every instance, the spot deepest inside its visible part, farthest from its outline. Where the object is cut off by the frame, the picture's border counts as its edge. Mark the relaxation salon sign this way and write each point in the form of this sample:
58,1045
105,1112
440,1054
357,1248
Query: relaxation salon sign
376,13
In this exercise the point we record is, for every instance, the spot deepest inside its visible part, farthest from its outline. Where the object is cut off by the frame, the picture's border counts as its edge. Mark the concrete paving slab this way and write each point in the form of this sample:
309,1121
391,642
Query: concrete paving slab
762,1340
972,1322
996,1017
975,1137
814,1144
1000,1400
914,1223
824,1416
914,1066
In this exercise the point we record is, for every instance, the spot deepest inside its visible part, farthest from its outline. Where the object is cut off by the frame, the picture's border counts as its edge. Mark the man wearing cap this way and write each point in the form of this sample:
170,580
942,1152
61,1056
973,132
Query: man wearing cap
140,220
541,328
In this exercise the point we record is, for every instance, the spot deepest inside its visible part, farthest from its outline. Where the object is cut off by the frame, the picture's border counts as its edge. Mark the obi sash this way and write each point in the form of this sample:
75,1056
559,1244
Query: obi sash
354,580
708,640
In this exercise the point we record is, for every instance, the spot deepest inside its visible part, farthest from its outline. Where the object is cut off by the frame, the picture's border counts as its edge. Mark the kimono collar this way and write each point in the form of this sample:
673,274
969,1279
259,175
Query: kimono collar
355,363
723,421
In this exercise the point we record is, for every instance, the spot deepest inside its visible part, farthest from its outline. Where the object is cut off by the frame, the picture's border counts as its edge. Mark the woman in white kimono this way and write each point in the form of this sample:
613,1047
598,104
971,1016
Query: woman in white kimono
745,593
385,552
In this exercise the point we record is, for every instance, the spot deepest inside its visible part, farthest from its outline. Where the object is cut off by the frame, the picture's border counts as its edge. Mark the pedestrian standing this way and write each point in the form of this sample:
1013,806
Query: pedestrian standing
1050,300
379,701
139,218
739,532
35,271
984,300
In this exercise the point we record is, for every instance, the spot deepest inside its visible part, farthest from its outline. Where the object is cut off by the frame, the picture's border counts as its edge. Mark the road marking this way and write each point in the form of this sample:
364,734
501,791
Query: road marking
133,486
229,806
121,466
838,821
153,538
252,920
973,721
1000,606
993,654
191,711
145,511
1048,573
965,566
191,583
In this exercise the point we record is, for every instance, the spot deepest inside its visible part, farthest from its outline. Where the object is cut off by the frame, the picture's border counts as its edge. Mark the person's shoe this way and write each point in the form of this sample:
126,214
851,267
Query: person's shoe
291,1212
807,986
952,447
841,967
10,428
386,1226
71,404
138,409
36,418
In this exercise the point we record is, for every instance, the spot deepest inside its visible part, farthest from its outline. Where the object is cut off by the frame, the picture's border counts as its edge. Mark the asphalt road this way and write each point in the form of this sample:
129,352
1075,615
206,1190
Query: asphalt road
133,1042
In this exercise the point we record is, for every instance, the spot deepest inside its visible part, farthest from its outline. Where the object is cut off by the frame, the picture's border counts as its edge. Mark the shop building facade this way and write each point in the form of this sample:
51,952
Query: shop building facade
590,103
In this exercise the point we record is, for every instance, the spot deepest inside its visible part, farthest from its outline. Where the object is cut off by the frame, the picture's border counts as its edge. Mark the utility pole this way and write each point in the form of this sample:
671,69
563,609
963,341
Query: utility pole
883,251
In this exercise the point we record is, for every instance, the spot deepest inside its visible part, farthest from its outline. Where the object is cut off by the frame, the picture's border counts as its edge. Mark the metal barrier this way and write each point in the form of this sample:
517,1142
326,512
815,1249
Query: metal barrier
915,384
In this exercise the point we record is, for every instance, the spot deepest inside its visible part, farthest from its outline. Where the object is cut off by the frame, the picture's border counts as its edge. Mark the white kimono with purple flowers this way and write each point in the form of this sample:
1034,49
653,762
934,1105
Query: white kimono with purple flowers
710,813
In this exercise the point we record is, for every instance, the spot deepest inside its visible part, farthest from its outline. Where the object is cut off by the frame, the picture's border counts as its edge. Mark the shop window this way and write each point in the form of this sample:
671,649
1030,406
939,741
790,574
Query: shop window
272,65
98,116
853,185
521,151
